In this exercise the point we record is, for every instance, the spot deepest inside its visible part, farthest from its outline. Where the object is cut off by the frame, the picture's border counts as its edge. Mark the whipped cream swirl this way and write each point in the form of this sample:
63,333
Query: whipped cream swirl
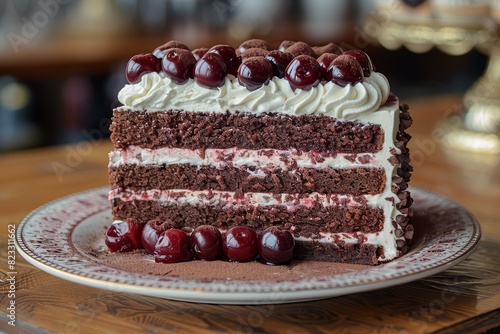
155,92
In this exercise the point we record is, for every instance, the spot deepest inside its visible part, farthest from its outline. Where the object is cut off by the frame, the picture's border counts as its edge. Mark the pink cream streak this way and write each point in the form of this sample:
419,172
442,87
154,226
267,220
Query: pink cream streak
263,160
213,197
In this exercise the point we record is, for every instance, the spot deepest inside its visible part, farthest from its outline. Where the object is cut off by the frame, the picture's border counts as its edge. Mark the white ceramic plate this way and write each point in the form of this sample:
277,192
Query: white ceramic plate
56,238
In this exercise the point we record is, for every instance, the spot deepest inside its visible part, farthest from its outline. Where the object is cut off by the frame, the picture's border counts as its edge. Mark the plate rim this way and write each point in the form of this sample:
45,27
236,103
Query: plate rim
241,297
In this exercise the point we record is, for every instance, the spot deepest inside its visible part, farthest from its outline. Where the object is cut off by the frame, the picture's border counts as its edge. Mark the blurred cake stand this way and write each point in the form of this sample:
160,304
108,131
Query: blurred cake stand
477,126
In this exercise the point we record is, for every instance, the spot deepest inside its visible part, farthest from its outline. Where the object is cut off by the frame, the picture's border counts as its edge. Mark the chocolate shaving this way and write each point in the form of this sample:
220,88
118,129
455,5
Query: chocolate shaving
399,233
409,232
393,160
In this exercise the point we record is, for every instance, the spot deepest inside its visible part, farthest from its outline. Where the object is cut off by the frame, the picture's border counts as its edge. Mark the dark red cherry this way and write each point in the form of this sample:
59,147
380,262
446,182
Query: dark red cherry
172,246
124,235
141,64
328,48
254,43
345,70
159,52
151,233
279,60
324,62
178,64
255,72
303,72
210,71
253,52
240,244
229,57
363,59
206,242
285,45
198,53
301,48
276,246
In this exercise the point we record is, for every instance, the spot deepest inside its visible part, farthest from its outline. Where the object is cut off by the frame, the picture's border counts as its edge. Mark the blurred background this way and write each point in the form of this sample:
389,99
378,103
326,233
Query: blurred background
62,61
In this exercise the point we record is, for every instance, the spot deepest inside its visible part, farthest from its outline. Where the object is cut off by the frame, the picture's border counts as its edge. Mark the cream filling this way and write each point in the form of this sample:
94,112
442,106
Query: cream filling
255,162
230,199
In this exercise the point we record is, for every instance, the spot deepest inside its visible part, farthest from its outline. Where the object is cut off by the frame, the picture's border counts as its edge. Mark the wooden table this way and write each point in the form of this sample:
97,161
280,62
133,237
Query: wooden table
45,303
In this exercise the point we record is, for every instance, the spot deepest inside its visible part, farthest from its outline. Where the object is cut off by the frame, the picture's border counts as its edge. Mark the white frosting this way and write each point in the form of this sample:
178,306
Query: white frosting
155,92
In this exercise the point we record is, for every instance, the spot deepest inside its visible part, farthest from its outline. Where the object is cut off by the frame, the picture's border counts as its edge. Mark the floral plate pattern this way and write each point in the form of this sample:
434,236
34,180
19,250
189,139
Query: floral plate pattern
55,239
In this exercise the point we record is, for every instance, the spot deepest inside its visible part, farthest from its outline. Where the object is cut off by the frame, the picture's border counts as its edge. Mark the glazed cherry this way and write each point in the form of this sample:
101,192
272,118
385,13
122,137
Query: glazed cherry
255,72
229,57
124,235
301,48
172,246
279,61
328,48
285,45
159,52
363,59
151,233
324,62
198,53
276,246
141,64
345,70
254,43
178,64
303,72
253,52
210,71
240,244
206,242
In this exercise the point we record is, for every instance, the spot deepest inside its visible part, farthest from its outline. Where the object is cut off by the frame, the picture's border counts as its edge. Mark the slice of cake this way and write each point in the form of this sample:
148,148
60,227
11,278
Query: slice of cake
307,139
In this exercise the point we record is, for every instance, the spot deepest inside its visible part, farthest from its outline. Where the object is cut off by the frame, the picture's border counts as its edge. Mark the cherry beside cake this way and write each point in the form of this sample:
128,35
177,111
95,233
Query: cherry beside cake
259,153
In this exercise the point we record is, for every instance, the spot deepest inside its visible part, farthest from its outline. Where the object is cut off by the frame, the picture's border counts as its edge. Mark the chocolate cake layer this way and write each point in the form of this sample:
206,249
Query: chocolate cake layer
194,130
354,181
342,252
307,221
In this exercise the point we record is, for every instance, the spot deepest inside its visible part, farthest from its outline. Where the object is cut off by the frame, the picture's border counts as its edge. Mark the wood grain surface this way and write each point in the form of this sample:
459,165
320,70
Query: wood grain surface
465,298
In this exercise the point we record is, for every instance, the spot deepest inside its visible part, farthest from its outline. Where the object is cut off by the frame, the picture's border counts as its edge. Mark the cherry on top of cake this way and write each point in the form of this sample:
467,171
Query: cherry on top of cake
254,64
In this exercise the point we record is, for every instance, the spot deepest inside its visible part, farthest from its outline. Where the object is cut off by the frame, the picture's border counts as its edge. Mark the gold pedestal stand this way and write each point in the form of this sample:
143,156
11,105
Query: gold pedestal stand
477,127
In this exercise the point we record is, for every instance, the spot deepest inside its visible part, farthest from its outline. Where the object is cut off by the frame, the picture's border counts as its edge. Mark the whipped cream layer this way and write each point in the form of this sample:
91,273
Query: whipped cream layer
229,198
156,92
256,162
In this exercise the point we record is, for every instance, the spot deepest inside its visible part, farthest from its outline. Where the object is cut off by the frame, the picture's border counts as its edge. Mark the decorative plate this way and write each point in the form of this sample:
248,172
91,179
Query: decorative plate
66,238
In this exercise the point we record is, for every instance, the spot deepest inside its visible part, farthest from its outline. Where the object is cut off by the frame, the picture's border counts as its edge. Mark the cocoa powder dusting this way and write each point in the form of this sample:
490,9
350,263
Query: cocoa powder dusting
139,262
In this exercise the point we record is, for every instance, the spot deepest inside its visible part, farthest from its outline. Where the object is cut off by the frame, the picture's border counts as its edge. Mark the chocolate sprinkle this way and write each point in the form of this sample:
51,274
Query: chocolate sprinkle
404,173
